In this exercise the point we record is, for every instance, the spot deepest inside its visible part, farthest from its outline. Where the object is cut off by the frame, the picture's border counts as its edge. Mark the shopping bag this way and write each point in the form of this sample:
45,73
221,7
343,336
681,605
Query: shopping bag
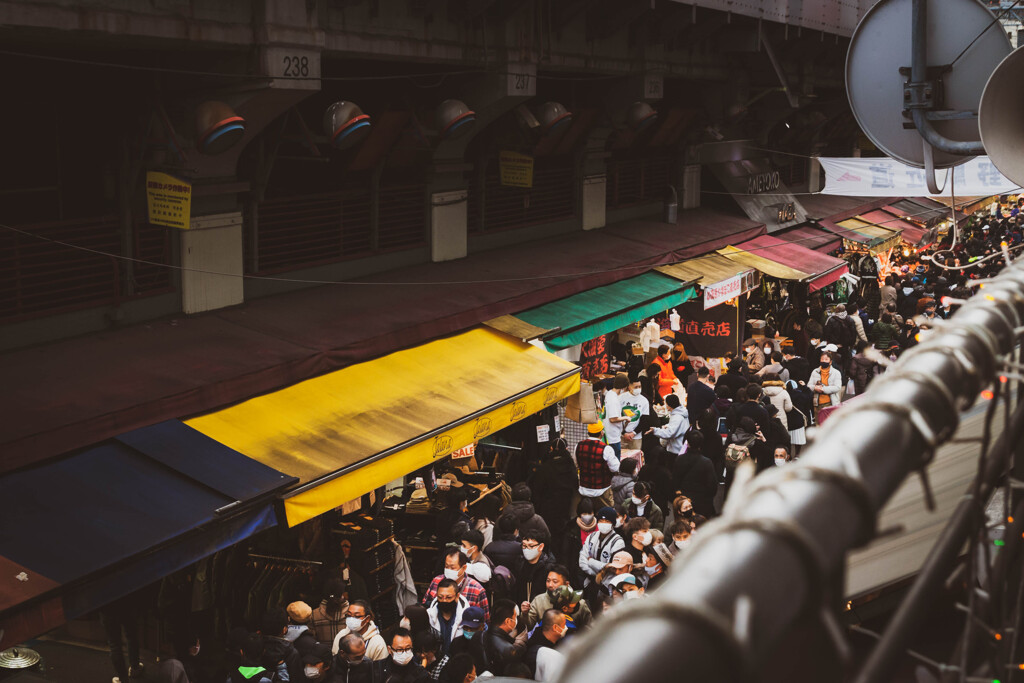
582,407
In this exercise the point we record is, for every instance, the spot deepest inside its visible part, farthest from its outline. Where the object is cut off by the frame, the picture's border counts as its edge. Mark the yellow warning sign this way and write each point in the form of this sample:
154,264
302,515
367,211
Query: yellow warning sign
169,200
516,169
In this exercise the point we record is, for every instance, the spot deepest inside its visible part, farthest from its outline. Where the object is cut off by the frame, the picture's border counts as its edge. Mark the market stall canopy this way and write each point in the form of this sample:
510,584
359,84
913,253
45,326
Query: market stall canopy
84,530
721,278
587,315
912,234
870,236
787,261
350,431
925,211
812,237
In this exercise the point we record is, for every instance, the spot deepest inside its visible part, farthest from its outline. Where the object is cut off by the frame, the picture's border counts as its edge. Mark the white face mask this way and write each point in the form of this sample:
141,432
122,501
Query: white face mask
647,538
681,544
619,522
353,624
635,392
531,553
768,350
604,527
637,501
452,574
631,595
779,462
405,623
311,672
402,658
586,519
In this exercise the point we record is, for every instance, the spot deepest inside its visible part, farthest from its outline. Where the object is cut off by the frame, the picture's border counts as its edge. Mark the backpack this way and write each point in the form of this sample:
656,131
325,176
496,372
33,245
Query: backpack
735,453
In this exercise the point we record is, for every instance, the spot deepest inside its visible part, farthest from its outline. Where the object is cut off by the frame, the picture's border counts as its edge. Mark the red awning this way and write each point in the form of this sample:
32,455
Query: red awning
821,269
811,237
913,234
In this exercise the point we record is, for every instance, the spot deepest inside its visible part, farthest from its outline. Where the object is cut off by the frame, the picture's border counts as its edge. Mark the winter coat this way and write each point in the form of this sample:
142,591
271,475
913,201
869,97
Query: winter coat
861,371
884,335
553,486
734,380
755,360
694,477
652,513
622,486
776,393
834,386
530,578
803,401
840,331
675,430
528,518
798,367
503,551
376,648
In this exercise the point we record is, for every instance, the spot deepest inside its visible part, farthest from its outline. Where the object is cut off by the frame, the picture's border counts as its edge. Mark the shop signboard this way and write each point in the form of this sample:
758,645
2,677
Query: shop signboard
720,292
594,359
516,169
710,333
169,200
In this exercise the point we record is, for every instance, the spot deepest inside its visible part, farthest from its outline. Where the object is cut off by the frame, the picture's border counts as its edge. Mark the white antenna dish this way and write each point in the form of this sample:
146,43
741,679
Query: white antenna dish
882,46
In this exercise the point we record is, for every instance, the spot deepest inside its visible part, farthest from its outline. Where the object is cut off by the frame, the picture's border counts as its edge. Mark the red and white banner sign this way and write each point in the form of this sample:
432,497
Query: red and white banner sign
720,292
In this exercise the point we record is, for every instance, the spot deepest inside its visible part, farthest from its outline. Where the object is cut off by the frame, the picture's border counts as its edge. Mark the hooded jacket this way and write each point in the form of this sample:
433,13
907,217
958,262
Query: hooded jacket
376,648
674,432
622,486
435,621
776,393
527,516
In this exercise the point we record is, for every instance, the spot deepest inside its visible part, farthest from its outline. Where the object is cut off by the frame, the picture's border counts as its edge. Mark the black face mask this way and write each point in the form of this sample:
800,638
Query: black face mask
446,608
824,365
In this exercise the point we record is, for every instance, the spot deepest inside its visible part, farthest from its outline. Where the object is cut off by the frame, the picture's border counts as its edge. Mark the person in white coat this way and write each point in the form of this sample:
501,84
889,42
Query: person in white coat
359,620
673,433
601,545
825,382
445,613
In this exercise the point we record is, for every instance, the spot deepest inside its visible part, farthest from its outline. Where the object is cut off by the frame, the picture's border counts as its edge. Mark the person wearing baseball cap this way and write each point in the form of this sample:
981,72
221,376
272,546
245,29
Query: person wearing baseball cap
570,602
471,642
601,545
625,587
316,663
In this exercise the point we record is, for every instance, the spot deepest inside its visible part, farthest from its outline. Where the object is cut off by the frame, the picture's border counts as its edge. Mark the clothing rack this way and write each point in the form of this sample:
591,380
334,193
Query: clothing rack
284,559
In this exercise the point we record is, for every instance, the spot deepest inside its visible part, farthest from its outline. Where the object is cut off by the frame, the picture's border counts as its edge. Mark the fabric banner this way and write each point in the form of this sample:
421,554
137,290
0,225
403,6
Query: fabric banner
886,177
710,333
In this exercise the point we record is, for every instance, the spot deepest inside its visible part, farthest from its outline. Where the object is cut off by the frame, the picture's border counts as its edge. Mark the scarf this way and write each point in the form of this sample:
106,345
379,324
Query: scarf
586,527
841,315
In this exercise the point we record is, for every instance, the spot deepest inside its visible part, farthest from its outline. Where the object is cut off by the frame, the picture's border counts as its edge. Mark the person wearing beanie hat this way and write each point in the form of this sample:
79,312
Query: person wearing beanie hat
596,463
316,664
601,545
298,633
656,562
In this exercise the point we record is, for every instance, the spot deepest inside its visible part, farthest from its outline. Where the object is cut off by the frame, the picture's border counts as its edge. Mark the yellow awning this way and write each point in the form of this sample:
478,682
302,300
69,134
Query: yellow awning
704,270
355,429
766,266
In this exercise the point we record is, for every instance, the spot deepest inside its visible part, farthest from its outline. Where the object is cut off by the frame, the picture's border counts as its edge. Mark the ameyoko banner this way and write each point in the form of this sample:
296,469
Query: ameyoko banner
885,177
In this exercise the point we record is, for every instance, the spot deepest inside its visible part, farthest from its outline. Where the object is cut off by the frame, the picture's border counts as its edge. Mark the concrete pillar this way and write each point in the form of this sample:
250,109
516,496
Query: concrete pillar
594,189
813,175
690,196
213,244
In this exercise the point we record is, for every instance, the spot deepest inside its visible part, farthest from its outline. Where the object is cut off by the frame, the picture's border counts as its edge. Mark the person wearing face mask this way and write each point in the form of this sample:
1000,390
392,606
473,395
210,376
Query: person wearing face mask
638,409
479,566
700,394
501,644
403,666
353,666
825,383
693,475
472,640
782,456
624,481
359,621
614,420
600,546
656,561
276,648
552,630
753,356
666,375
641,505
571,603
455,570
445,613
626,587
680,532
576,532
318,664
531,568
638,531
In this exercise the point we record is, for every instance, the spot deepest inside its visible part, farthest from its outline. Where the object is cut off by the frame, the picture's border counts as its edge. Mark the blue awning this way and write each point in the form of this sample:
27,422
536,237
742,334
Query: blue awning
98,524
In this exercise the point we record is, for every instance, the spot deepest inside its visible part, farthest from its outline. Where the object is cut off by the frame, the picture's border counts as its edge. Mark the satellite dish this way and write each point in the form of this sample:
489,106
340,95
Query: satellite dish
1000,117
881,46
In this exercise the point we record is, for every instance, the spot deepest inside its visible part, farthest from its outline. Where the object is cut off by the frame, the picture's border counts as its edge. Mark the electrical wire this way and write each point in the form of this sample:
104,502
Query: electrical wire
622,269
995,21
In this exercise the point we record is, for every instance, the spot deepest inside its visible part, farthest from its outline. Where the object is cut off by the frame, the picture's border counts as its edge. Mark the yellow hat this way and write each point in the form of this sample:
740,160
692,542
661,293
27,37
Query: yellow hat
595,428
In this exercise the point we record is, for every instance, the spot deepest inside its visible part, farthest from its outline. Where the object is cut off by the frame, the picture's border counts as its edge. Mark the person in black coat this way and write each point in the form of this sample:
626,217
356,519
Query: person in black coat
733,376
753,408
694,476
700,394
553,486
506,547
799,368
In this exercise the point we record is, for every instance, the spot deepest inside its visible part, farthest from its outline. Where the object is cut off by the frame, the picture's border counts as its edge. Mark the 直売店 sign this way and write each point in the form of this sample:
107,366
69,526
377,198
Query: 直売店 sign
708,333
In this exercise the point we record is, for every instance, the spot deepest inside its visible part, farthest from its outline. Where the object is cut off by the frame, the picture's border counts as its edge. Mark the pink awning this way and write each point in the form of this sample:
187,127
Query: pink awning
816,269
913,234
811,237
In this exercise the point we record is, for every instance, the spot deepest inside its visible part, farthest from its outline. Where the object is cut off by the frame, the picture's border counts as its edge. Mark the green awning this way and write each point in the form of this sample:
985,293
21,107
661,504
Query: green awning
587,315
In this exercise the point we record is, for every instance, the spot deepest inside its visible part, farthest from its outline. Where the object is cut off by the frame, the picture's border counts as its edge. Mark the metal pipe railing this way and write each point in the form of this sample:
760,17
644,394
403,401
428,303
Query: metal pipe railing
774,559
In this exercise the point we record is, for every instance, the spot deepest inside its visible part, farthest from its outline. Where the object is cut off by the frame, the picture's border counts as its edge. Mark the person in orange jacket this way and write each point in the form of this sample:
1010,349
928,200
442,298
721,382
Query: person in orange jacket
666,378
